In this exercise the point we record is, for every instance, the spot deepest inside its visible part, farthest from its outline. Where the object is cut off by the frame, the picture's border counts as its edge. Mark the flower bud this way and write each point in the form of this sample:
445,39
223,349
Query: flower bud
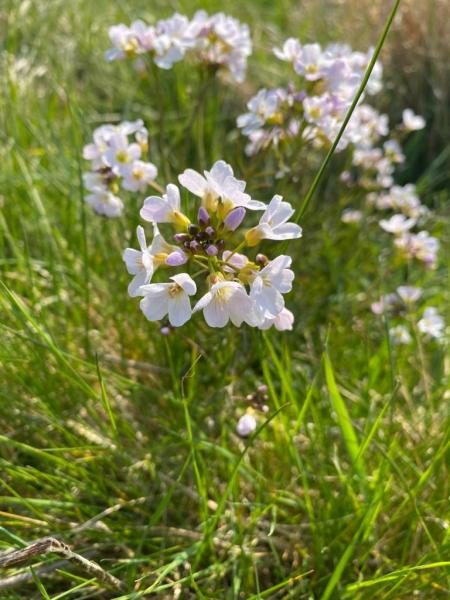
211,232
180,238
261,260
203,216
176,258
194,246
165,330
180,220
212,250
193,229
246,425
234,218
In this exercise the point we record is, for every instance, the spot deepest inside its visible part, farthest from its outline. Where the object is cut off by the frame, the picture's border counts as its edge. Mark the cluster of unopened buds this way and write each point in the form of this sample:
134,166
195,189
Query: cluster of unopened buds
402,304
116,163
236,287
216,40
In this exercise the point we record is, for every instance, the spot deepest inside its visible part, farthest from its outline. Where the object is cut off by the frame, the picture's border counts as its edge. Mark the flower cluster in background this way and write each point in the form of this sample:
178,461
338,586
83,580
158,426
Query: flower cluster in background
217,40
375,169
403,305
313,107
241,288
116,163
373,165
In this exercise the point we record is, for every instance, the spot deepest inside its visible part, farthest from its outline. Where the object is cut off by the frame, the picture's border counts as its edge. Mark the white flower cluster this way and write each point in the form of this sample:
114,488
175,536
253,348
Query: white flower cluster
375,160
402,303
376,166
236,288
421,246
116,163
329,78
217,40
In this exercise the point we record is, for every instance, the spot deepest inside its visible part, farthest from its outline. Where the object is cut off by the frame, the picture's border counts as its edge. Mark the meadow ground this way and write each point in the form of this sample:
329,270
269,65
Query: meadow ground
121,442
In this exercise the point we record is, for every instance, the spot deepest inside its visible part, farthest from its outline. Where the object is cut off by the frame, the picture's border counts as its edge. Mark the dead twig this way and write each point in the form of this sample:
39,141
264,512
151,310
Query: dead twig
52,545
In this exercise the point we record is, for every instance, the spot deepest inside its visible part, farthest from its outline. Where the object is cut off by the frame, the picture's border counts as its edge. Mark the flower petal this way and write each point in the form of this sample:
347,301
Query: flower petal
154,304
132,260
142,278
186,282
216,314
193,181
179,309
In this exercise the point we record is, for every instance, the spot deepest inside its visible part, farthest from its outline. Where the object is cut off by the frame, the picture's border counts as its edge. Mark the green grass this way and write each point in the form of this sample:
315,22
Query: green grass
122,442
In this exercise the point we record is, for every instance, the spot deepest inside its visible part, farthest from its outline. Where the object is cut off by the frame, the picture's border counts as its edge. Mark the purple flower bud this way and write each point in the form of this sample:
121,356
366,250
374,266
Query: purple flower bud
234,218
212,250
180,238
220,244
261,259
193,229
176,258
203,216
165,330
211,232
195,246
262,388
299,97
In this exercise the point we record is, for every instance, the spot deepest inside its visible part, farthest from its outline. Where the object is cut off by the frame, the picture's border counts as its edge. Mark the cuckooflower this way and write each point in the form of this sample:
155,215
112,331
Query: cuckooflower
397,224
216,185
166,209
96,150
144,262
222,41
290,52
262,108
420,245
125,40
139,176
105,203
274,225
234,261
246,425
431,323
386,302
227,301
408,293
93,181
284,321
412,122
309,63
120,155
270,283
139,263
171,41
172,299
351,216
400,335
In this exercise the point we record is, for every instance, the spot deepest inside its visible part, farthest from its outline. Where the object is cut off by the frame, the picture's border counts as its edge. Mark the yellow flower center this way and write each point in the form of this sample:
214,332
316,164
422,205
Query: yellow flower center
174,290
122,156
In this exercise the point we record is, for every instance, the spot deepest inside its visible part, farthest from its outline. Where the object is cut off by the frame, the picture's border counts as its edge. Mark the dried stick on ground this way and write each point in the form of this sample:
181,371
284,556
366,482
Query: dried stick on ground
47,545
